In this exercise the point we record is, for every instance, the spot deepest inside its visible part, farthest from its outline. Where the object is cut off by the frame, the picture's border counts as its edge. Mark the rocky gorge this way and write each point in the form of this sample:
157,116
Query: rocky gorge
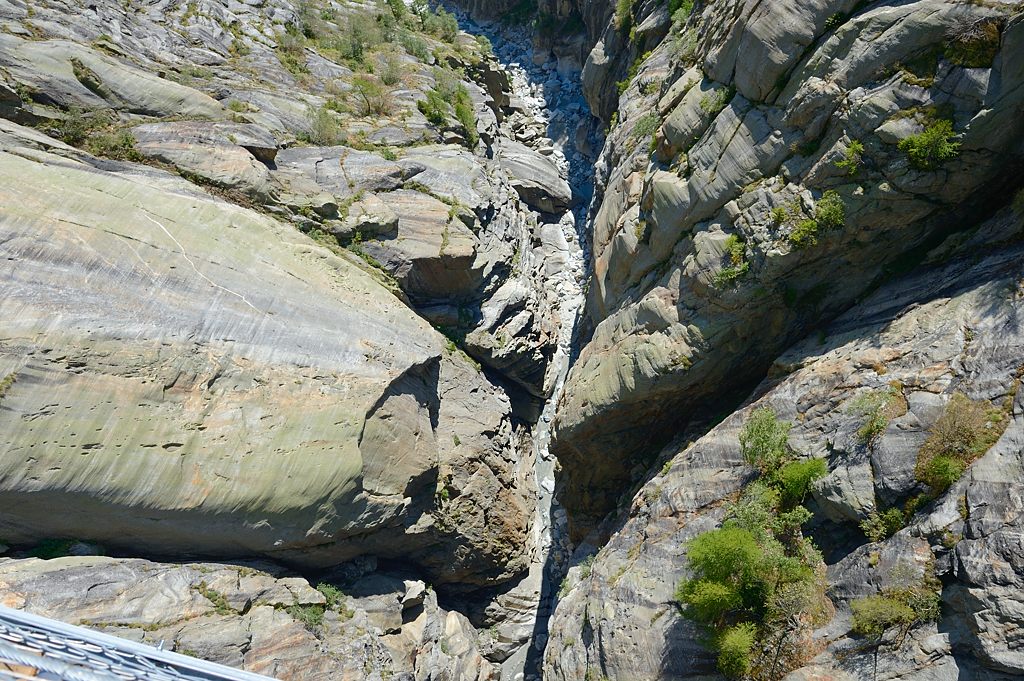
381,340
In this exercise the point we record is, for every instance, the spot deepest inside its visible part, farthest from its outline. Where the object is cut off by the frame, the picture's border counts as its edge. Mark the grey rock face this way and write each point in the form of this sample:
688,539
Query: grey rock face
535,178
254,617
229,314
745,144
951,327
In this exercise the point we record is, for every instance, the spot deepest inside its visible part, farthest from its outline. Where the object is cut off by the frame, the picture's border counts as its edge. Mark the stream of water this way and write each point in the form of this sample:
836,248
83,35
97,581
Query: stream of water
572,135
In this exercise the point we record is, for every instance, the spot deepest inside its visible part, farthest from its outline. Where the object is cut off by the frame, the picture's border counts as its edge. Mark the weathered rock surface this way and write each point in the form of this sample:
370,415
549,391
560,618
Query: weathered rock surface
255,393
254,617
952,327
746,143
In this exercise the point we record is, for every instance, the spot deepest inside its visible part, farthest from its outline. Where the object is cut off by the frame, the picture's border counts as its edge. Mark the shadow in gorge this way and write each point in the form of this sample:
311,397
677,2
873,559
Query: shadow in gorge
541,96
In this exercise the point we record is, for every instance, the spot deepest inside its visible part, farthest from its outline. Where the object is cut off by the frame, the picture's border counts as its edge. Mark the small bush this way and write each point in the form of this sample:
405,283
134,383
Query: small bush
805,233
852,159
441,24
899,607
414,46
680,9
973,43
764,440
324,129
119,146
941,472
735,250
220,603
835,21
965,430
830,212
880,526
734,650
434,108
311,616
373,95
76,126
624,15
646,125
465,114
873,615
713,102
291,52
928,149
878,406
795,479
6,382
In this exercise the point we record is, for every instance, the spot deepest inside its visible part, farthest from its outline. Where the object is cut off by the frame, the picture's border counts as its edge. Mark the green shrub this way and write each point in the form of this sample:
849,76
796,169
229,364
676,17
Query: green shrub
734,649
336,599
835,21
805,233
414,46
941,473
757,578
852,159
680,9
708,601
311,616
716,100
965,430
830,212
119,146
76,126
624,15
764,440
219,601
390,70
434,108
898,607
373,95
878,406
441,24
6,382
935,145
465,114
646,125
880,526
324,129
873,615
795,479
729,556
735,250
291,51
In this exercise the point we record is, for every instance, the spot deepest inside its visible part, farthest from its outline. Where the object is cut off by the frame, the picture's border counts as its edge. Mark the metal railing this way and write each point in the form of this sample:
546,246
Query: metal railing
34,648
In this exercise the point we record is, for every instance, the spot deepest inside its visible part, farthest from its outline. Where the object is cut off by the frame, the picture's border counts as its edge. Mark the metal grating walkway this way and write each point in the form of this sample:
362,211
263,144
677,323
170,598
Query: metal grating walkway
34,648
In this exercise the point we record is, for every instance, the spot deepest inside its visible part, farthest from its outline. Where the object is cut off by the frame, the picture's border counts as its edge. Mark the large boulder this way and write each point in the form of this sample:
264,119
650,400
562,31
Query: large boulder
185,376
